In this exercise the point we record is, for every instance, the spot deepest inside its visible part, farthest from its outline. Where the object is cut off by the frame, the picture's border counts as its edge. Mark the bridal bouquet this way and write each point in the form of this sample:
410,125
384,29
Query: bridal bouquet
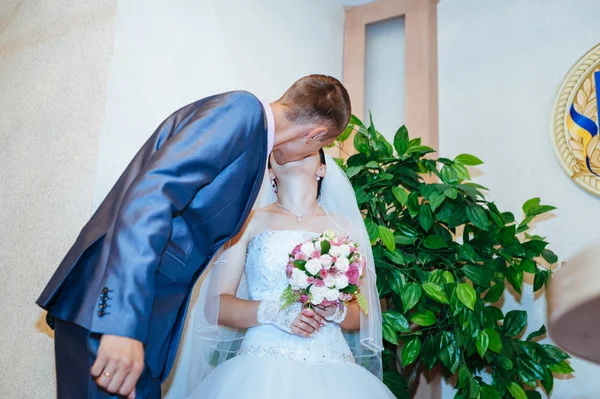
325,271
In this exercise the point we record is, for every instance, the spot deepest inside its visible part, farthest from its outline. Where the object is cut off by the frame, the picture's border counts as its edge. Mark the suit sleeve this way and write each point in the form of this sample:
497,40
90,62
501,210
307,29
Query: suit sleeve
199,149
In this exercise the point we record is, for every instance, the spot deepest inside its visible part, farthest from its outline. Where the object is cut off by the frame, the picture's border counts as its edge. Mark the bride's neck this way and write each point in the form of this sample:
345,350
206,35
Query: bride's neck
297,195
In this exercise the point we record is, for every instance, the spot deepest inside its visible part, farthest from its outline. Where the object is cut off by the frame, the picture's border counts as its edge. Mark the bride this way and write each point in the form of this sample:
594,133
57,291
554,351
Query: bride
240,343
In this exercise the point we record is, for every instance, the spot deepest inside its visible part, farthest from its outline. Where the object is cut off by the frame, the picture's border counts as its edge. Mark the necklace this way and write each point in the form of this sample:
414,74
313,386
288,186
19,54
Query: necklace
299,215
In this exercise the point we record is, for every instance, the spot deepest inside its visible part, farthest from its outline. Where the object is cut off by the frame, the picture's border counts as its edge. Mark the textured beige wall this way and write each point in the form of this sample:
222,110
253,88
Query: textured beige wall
54,60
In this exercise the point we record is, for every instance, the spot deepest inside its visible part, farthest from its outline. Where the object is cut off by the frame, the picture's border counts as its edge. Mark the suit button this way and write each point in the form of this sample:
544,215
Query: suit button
102,306
104,298
101,313
105,290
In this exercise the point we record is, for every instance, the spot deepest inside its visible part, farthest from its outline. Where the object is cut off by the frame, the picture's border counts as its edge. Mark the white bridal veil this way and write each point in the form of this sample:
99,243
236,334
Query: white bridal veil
205,344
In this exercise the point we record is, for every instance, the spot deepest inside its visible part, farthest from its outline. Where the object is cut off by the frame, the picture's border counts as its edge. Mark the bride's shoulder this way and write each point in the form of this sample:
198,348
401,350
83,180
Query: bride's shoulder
257,220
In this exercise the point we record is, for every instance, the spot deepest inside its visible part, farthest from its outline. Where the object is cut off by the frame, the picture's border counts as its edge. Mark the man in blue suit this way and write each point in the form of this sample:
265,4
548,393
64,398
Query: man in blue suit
119,298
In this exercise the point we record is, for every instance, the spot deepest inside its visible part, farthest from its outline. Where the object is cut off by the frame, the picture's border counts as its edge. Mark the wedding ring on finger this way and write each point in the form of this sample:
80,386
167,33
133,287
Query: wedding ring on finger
299,323
107,375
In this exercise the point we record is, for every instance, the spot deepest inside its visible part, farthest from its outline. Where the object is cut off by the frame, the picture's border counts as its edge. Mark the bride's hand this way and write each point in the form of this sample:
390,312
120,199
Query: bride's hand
305,325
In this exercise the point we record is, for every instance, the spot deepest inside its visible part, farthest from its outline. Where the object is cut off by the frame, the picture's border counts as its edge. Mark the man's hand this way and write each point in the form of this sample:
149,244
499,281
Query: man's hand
119,364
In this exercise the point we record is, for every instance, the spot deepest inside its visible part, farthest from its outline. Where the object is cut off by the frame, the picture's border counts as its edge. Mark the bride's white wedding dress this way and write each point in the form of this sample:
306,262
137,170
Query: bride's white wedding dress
278,365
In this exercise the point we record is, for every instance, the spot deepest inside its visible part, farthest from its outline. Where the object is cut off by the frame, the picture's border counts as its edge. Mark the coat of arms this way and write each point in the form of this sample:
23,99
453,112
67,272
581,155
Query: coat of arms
575,130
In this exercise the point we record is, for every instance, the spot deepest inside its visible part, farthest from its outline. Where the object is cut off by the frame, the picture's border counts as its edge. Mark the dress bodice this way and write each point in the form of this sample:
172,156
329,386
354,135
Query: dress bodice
265,267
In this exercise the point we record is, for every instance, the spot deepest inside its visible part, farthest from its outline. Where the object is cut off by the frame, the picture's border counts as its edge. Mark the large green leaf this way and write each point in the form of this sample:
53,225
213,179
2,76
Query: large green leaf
467,295
396,257
396,383
516,391
467,159
449,353
424,318
426,217
514,322
449,175
538,333
547,381
411,293
539,280
361,143
401,140
429,352
514,276
388,238
488,392
482,344
561,368
389,334
477,274
476,215
400,194
550,354
396,320
411,351
434,242
494,293
435,292
495,344
372,230
353,171
529,370
549,256
396,281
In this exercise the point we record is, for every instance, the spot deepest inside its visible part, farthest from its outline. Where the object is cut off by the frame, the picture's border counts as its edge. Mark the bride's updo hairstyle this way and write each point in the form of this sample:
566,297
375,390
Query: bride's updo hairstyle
320,182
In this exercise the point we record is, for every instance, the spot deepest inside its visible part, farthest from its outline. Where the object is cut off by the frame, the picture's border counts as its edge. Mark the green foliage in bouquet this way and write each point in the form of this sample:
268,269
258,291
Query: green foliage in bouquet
444,256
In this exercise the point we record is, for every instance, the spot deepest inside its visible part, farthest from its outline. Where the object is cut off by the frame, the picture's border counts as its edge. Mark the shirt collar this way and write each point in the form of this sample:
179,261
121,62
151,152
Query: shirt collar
270,126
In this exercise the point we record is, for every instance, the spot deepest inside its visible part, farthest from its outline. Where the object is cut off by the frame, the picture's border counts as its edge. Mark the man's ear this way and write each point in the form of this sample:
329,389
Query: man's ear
318,133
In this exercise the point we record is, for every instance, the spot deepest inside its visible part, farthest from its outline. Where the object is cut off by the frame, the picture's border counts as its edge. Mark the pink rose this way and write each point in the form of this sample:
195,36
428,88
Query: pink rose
323,273
319,283
300,256
304,298
307,312
345,297
311,280
353,274
326,303
315,254
296,250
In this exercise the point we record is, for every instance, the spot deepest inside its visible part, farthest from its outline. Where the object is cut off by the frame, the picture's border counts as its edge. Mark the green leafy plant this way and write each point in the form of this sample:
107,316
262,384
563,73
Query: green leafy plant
444,256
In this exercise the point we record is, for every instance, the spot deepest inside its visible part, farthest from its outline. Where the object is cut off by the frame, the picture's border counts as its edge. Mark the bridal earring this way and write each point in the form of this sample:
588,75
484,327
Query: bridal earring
274,186
318,178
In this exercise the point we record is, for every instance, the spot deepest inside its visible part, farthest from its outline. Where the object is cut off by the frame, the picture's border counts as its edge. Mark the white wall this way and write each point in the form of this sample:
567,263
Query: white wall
500,65
62,146
54,59
170,53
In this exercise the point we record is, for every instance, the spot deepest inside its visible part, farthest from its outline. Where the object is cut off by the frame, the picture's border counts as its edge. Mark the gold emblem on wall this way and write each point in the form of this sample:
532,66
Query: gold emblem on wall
575,128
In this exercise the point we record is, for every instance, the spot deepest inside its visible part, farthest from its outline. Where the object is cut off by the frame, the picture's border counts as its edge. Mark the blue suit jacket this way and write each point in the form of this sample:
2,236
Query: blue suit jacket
187,191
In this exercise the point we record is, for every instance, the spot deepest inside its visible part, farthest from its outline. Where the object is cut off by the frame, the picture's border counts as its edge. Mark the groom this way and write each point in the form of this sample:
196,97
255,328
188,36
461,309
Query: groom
119,298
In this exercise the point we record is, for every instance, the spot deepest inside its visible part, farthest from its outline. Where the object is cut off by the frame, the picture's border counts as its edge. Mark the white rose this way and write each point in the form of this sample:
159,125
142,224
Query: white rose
335,251
329,234
341,282
326,261
332,294
317,294
330,280
318,244
313,266
344,250
298,280
307,248
342,264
